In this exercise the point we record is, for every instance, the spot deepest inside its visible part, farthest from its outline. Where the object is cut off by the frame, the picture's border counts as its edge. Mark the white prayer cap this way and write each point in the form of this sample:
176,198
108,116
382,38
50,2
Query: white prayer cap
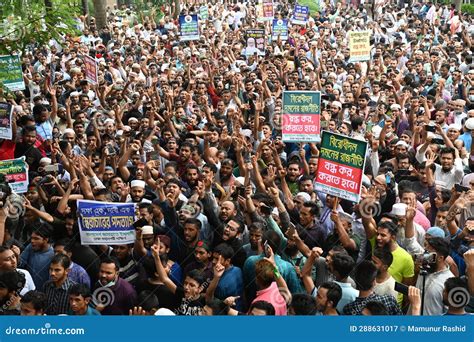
137,183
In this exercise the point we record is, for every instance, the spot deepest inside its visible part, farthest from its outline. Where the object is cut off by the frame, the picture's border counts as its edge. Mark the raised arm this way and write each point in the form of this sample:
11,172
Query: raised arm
155,250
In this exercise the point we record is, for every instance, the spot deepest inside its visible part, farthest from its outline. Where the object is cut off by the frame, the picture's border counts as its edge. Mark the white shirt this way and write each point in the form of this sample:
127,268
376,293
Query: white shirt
29,283
387,287
453,176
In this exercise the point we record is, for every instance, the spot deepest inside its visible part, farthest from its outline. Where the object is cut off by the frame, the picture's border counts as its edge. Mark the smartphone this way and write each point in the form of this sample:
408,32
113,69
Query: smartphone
403,172
460,188
155,155
265,249
437,141
140,223
111,150
291,230
430,128
52,168
401,288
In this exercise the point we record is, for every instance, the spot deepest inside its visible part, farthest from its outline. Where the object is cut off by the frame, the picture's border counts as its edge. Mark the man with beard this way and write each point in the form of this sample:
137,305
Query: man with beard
128,265
438,273
329,295
225,177
124,296
230,236
56,289
450,171
183,159
192,176
27,148
384,235
137,192
255,235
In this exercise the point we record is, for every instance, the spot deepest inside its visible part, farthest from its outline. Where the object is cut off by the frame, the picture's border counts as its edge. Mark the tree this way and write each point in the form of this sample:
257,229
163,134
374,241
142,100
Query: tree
85,8
457,3
28,22
100,13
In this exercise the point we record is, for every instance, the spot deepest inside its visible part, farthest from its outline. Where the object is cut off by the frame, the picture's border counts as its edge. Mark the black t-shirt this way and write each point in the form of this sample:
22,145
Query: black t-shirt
31,153
188,307
161,291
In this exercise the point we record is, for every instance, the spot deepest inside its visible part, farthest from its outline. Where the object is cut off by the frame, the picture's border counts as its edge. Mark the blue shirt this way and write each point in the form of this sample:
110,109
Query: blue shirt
467,138
286,270
90,312
79,275
37,263
231,284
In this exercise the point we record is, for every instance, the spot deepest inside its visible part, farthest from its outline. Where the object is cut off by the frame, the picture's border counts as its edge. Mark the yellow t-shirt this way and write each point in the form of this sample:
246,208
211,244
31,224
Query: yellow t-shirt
401,267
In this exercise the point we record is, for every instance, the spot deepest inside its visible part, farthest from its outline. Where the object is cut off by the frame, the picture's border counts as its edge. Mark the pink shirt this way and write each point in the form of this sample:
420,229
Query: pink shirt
272,295
422,220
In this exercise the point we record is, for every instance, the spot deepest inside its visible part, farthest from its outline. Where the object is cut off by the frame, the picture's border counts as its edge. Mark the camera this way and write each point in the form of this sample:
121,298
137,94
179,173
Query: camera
426,260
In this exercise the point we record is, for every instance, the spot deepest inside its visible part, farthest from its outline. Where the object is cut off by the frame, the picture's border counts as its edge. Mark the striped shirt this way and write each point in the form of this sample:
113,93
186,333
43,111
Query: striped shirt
57,297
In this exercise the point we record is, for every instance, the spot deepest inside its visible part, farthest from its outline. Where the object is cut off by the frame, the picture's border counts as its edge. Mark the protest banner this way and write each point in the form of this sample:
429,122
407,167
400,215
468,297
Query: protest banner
267,10
189,27
359,46
6,112
255,42
340,166
300,15
11,74
16,173
91,69
280,28
301,116
102,223
203,12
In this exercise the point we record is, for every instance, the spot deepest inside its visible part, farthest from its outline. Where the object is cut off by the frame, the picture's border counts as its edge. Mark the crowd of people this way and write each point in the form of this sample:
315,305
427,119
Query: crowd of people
228,219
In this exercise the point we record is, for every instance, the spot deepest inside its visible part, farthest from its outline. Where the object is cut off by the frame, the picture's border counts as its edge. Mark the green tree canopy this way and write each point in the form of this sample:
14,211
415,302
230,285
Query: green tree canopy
25,22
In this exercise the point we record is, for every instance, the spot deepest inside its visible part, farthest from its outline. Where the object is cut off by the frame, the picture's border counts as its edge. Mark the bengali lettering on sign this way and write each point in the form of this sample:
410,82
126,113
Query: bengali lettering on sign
280,28
189,27
301,116
106,223
359,46
16,173
300,15
340,166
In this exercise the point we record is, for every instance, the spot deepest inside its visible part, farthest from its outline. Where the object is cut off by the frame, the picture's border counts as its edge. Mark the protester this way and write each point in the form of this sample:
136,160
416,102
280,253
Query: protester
179,150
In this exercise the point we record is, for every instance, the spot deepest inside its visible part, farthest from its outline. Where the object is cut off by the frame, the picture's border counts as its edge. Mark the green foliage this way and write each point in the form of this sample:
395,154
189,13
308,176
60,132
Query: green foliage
24,22
467,8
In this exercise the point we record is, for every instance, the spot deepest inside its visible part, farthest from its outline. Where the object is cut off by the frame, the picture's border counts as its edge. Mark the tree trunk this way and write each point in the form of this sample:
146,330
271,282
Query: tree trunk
458,3
49,5
177,9
100,13
85,8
